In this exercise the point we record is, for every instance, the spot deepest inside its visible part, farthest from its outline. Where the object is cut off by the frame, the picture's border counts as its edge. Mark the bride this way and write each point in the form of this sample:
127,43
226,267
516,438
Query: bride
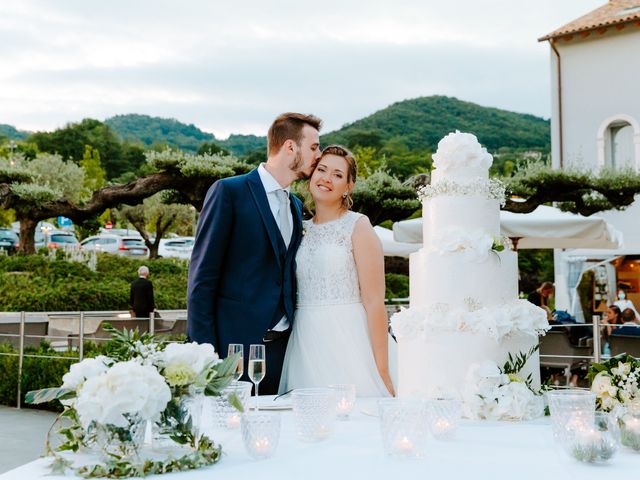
340,328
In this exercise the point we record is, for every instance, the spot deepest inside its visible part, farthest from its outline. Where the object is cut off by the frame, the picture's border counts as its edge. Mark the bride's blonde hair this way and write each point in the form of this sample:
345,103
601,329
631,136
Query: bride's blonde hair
352,168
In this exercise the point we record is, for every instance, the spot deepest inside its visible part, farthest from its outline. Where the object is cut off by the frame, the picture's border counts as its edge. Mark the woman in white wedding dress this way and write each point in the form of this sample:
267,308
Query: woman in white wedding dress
340,332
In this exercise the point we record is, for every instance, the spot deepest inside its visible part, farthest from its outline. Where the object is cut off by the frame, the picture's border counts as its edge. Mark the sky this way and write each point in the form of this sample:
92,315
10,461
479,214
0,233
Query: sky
232,66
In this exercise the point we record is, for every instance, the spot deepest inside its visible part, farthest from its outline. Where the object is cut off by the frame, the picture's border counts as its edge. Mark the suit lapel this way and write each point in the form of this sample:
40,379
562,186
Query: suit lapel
260,198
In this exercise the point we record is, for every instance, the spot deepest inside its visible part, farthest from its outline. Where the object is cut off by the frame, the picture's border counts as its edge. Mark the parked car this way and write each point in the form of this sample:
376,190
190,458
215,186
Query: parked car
9,241
178,247
56,239
116,244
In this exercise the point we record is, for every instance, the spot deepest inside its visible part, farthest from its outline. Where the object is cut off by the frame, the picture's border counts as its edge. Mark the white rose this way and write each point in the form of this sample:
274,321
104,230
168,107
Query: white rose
602,385
622,370
408,322
126,388
189,358
515,402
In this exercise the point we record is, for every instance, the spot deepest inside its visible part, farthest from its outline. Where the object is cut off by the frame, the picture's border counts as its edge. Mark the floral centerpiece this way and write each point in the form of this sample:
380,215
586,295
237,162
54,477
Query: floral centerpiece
500,393
110,400
615,383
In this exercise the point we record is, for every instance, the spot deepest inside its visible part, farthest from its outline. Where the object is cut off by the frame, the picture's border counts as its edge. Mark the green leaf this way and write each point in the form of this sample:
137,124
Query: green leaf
235,402
49,394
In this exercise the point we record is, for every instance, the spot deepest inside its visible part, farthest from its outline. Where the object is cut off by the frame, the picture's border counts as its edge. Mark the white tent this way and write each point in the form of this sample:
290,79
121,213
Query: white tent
545,227
392,248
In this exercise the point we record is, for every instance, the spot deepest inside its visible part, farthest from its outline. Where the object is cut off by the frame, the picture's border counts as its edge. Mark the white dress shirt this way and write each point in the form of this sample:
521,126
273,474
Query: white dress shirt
271,185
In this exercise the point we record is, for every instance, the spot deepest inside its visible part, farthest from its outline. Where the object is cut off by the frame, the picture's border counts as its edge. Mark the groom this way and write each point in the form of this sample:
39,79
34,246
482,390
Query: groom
242,273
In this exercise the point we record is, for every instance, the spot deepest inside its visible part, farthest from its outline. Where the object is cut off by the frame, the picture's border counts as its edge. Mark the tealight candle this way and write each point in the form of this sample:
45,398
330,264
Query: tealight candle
405,445
442,427
261,445
233,421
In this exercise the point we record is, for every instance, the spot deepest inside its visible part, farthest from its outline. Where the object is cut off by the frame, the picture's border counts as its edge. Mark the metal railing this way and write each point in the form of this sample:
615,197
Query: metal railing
113,317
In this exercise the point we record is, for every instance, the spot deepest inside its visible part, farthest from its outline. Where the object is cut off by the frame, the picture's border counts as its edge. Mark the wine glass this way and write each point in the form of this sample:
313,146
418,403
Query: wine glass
257,366
233,349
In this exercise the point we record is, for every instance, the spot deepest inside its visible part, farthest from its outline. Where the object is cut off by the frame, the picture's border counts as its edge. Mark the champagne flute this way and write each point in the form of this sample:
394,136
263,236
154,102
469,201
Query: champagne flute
237,348
257,366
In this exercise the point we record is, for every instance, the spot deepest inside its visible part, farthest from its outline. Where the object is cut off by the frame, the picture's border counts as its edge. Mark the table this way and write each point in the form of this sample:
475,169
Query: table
480,450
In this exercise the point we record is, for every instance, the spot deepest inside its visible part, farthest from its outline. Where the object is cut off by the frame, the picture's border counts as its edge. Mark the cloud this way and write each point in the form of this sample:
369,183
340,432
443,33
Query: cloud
230,67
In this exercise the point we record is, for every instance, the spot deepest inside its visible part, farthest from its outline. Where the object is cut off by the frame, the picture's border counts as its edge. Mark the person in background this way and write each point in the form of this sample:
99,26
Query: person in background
611,318
623,303
630,324
141,294
540,296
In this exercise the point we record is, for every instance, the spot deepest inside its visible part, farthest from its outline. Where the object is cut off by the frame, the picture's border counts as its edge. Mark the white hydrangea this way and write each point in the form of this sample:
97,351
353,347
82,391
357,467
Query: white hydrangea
89,367
408,322
126,388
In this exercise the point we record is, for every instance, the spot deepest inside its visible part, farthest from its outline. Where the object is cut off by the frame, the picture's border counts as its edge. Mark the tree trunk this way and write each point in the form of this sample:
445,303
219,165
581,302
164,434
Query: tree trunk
27,235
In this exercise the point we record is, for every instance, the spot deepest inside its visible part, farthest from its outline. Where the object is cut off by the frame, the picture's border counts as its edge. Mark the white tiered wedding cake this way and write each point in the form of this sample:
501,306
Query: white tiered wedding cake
464,307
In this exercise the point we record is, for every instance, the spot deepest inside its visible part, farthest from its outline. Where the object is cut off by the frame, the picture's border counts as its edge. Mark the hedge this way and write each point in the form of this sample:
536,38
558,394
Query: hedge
36,283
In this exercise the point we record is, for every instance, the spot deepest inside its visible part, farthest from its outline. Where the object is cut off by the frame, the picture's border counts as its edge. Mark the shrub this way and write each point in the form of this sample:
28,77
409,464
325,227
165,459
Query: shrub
397,285
38,283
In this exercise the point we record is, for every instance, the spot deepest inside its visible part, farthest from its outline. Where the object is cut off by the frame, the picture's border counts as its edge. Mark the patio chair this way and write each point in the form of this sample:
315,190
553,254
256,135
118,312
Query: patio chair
625,344
556,351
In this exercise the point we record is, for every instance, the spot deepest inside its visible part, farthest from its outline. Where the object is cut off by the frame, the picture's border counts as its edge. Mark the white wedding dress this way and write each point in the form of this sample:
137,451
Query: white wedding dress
330,339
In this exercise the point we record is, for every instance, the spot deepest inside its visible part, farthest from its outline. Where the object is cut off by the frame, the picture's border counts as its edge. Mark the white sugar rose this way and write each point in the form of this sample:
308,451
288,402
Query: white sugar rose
408,322
126,388
184,362
461,151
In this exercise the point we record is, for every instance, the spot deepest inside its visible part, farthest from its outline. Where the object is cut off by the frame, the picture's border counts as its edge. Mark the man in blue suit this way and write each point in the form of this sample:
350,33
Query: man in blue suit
242,274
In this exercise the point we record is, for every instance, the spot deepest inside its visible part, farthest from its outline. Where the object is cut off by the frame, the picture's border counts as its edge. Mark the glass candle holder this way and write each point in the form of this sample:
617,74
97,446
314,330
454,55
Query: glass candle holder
593,441
225,414
403,428
314,412
570,406
345,396
260,433
443,417
629,422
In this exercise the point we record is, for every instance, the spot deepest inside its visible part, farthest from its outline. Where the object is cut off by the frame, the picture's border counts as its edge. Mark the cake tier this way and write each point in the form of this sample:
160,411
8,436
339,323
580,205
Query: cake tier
466,213
437,366
463,175
450,278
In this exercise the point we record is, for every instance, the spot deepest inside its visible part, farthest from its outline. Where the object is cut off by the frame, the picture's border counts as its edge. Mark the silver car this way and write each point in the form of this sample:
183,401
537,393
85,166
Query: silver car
129,246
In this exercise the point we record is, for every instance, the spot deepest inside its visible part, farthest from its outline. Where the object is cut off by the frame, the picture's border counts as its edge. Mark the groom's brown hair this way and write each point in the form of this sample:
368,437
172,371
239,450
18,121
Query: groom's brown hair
288,126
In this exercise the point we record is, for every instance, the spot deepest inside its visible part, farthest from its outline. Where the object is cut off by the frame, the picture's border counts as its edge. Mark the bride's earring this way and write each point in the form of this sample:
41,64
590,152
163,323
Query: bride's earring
344,194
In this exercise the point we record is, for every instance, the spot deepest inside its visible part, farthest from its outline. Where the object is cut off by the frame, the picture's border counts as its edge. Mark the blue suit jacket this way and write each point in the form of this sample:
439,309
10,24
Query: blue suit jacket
241,276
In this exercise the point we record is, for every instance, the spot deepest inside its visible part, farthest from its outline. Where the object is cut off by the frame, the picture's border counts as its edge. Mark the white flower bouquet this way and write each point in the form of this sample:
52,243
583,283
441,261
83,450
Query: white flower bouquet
499,393
615,382
109,400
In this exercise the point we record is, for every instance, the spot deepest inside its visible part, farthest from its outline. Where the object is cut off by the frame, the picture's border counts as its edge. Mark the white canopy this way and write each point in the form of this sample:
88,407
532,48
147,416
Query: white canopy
545,227
392,248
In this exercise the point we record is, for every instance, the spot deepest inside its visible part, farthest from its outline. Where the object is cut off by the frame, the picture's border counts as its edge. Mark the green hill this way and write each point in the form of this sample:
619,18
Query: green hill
420,123
148,130
12,133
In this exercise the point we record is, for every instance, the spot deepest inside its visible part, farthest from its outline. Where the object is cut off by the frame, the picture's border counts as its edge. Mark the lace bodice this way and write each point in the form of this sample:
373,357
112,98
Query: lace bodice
326,270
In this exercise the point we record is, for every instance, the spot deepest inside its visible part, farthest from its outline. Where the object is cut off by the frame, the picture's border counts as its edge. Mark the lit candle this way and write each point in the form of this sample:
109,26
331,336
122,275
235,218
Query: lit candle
405,445
344,406
632,425
442,426
261,445
233,421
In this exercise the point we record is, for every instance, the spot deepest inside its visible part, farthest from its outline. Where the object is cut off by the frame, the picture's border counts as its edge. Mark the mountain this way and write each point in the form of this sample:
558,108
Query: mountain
242,144
148,130
420,123
12,133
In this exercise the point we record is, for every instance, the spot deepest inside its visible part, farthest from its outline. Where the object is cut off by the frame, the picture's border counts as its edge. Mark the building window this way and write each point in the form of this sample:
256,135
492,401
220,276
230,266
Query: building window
621,146
619,143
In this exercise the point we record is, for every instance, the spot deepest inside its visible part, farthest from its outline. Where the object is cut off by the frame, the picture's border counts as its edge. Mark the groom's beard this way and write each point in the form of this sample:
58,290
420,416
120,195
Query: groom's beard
296,167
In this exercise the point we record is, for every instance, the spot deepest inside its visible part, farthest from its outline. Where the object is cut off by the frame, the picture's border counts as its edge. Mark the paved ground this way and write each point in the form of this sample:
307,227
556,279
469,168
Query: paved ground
22,435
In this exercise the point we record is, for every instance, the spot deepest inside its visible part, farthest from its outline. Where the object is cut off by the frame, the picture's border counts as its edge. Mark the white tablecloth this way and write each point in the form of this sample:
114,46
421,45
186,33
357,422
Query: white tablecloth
480,450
